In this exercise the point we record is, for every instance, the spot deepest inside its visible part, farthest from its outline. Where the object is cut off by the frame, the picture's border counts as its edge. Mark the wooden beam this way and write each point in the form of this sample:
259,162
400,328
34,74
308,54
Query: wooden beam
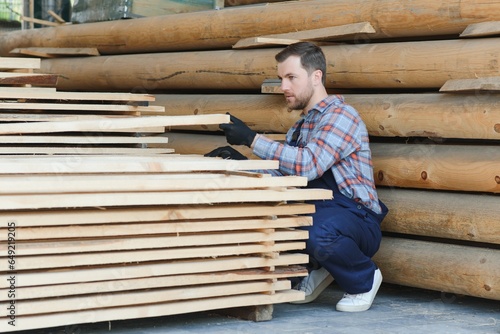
472,85
56,52
482,29
467,270
321,34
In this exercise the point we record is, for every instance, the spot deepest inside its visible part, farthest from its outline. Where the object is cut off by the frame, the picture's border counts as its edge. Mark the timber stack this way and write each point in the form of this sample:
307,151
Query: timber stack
423,75
101,226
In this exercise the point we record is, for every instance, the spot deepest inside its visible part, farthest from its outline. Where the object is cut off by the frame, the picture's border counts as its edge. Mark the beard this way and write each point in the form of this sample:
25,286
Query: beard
301,100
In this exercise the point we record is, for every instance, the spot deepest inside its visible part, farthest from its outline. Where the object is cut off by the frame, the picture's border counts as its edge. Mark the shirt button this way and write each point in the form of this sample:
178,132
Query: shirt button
359,207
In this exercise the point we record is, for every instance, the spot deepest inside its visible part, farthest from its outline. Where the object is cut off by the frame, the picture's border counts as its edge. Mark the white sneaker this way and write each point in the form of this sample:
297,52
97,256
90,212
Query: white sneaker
313,284
361,301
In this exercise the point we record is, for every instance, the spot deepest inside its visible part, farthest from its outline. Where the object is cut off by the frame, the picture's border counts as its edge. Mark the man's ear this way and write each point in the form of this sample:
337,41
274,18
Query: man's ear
318,77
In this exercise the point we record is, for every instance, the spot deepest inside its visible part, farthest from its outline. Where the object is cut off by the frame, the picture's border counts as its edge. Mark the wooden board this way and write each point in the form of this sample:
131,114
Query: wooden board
472,85
320,34
56,52
13,63
28,79
482,29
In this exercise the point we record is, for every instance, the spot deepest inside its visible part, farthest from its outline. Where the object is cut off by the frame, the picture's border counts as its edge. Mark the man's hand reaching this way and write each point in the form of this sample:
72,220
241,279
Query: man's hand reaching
238,133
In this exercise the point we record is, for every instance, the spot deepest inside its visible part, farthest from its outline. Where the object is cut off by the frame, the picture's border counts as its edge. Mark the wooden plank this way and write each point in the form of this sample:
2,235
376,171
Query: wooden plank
28,79
56,52
49,93
48,117
128,256
38,201
44,218
320,34
39,21
141,228
153,310
123,164
84,150
472,85
465,270
96,275
116,124
180,239
94,140
482,29
459,216
117,285
444,167
145,297
79,107
39,184
13,63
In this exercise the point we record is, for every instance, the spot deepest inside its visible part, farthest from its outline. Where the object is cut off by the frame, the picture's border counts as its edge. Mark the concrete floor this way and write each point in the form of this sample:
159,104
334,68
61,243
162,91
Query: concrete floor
396,310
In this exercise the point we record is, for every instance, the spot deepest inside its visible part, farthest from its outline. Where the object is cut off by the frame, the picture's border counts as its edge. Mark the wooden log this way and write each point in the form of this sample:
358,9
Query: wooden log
425,18
460,216
443,167
467,270
471,116
348,67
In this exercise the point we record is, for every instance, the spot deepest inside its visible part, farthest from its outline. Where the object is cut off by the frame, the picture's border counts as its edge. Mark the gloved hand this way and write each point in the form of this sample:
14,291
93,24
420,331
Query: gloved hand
238,133
226,152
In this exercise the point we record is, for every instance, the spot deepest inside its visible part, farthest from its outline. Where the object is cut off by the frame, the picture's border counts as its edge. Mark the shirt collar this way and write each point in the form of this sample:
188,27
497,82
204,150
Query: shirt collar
324,104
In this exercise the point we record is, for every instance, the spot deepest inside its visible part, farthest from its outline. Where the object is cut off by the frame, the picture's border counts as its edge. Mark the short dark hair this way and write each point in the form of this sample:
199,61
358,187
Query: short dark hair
311,56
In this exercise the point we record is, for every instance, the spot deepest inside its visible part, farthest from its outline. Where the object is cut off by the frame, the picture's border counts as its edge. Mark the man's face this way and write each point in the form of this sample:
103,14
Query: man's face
296,83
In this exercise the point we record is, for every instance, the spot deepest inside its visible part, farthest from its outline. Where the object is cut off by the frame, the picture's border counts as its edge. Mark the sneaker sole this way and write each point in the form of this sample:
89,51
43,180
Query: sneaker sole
322,286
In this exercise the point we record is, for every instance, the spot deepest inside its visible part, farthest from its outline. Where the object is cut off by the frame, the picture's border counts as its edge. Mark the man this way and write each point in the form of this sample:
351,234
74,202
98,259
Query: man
328,145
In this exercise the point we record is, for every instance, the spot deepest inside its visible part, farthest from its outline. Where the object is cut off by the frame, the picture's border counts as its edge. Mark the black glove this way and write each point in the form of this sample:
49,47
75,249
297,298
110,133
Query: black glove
226,152
238,133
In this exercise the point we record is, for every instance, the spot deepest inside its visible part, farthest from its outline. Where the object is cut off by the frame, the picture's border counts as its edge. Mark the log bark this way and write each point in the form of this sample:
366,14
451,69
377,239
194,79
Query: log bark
471,271
444,167
472,217
427,64
471,116
221,29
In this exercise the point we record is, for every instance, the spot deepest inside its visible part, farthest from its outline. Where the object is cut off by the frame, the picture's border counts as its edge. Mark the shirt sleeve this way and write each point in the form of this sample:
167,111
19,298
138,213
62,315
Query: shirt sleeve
333,137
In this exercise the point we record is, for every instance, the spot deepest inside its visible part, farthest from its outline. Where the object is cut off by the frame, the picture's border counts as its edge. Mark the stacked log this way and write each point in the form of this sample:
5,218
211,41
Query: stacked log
434,148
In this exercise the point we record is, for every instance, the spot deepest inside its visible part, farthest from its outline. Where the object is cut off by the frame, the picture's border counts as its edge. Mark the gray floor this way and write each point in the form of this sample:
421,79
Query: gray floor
396,309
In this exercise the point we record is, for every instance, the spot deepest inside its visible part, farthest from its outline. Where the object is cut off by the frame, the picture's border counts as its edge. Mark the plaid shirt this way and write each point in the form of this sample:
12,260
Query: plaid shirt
331,135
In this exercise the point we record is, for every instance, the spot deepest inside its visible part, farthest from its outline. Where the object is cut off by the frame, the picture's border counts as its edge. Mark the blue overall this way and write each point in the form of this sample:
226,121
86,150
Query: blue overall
343,238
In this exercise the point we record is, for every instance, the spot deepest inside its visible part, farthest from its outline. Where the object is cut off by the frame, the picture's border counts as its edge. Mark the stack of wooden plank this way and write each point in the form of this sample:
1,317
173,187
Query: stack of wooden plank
425,81
95,231
90,239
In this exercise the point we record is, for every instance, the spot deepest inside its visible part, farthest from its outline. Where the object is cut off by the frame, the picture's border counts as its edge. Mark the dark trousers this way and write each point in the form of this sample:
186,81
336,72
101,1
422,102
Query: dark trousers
343,238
